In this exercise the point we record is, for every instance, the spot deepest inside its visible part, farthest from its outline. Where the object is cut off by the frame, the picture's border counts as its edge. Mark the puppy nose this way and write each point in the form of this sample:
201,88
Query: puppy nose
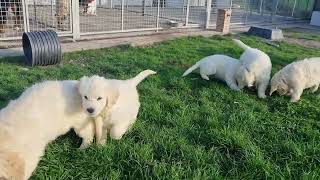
90,110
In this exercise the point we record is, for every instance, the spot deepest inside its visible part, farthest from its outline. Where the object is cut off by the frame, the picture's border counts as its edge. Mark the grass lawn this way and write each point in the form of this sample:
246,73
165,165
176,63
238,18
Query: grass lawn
187,128
301,34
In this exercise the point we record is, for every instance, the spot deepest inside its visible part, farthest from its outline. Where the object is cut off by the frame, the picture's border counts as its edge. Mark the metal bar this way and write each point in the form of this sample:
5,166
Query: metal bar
122,14
208,13
158,15
75,19
25,16
143,7
111,4
294,7
52,15
260,7
187,15
246,12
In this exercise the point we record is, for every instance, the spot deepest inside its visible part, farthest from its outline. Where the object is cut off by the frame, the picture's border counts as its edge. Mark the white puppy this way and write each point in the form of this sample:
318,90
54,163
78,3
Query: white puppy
255,69
295,77
221,66
41,114
92,7
114,103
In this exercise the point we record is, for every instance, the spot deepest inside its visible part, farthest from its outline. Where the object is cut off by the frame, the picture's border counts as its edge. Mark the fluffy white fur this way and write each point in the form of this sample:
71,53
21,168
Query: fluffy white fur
113,103
92,7
41,114
221,66
255,69
295,77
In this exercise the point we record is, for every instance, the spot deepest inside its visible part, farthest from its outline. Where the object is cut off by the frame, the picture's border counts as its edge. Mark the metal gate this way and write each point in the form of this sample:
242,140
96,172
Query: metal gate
18,16
140,15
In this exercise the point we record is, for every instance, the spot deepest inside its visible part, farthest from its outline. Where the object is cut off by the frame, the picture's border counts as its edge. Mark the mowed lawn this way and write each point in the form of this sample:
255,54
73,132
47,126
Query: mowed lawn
187,128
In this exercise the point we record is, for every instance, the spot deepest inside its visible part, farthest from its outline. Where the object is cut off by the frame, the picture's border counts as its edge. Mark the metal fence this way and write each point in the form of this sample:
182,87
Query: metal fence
85,17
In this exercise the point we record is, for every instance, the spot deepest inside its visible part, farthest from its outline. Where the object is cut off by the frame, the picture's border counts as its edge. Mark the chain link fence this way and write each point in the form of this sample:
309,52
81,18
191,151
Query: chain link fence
86,17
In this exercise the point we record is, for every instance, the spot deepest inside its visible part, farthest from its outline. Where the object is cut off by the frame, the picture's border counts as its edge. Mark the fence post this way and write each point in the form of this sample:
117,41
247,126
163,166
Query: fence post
25,16
187,15
122,14
143,7
75,19
260,8
208,13
294,7
158,14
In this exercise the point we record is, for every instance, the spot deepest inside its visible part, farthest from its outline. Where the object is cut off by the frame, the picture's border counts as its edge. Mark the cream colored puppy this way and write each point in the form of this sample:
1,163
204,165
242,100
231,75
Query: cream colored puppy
221,66
41,114
295,77
255,69
113,103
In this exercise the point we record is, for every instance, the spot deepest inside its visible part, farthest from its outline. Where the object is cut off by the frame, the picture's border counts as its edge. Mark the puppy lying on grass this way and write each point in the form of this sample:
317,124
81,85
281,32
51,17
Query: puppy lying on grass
295,77
255,69
113,103
222,67
41,114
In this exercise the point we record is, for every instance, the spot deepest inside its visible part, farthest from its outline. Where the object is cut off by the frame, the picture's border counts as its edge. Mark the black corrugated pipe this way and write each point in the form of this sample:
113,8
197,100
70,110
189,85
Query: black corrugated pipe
41,48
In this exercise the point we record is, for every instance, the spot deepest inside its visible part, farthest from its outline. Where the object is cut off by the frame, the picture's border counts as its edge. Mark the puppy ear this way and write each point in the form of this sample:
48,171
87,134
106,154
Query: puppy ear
112,94
81,82
272,90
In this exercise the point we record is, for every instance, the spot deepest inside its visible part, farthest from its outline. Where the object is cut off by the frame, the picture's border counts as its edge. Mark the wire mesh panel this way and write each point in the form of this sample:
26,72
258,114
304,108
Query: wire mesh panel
100,16
197,12
49,14
11,18
140,14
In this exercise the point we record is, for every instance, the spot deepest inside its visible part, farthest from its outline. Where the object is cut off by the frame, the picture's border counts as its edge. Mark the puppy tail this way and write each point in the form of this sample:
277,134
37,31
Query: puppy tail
192,68
141,76
241,44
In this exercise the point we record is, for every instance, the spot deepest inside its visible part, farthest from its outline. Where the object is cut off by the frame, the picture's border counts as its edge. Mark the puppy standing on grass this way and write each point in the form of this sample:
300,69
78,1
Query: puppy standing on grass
113,103
295,77
41,114
255,69
223,67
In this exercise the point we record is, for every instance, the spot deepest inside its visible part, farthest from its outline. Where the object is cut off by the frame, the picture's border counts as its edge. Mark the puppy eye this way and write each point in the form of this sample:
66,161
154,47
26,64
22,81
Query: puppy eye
99,98
86,97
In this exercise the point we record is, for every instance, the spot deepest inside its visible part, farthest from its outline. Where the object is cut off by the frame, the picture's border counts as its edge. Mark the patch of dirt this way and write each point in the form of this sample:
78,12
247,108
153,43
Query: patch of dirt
303,42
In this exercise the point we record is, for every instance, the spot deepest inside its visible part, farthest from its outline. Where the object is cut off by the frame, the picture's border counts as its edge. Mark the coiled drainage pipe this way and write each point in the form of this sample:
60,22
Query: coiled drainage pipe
41,48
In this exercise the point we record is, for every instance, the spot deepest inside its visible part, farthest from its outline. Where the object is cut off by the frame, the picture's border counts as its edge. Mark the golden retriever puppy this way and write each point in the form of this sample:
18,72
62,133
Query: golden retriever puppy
255,69
41,114
113,103
295,77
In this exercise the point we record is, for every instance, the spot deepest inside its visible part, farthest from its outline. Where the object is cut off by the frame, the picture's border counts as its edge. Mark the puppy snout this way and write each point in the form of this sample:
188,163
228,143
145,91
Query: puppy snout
90,110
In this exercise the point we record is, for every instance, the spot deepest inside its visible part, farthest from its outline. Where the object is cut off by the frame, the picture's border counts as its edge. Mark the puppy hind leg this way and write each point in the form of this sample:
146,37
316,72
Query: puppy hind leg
118,131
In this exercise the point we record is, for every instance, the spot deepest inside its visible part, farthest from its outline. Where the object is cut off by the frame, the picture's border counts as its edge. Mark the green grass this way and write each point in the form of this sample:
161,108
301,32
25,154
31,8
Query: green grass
187,128
301,34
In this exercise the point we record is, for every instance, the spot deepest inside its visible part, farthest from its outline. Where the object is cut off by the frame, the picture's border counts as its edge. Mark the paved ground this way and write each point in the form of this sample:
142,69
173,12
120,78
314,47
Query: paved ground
137,39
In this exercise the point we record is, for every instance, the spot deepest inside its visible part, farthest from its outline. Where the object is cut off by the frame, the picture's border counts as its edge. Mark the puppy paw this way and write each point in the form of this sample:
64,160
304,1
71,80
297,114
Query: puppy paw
84,146
294,100
102,142
262,96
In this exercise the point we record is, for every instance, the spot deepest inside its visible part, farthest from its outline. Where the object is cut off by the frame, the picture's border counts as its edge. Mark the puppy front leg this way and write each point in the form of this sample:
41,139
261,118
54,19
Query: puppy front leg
262,87
98,122
315,88
296,93
232,84
87,134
